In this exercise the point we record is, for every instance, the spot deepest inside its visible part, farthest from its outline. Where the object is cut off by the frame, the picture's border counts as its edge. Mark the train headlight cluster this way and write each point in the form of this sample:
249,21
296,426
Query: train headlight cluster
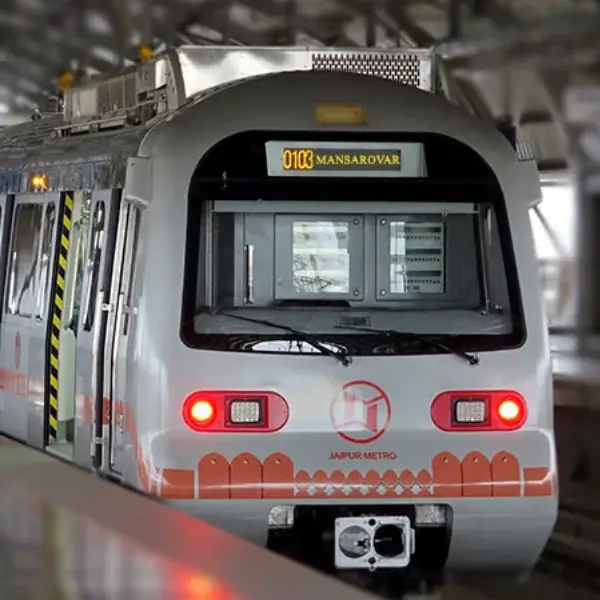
476,411
220,411
479,410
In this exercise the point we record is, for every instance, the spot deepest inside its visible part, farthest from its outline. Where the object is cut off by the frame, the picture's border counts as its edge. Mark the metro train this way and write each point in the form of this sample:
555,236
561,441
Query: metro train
292,292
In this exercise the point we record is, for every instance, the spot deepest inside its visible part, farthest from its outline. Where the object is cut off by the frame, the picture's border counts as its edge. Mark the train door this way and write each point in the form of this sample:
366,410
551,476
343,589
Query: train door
60,328
96,259
5,223
6,203
39,324
117,341
18,310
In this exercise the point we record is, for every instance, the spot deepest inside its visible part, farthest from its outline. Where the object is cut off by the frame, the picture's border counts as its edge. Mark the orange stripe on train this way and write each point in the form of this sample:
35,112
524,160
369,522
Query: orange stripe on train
475,476
247,477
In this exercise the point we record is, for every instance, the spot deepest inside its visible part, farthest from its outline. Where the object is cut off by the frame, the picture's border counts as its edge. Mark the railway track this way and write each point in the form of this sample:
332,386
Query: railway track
573,551
568,568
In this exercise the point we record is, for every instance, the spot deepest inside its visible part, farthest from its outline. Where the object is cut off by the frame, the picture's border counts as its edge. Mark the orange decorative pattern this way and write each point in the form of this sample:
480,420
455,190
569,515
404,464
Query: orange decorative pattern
474,476
245,476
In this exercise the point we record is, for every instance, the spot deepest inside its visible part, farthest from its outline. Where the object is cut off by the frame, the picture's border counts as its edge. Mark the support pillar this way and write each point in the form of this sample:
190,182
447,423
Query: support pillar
454,19
588,239
581,104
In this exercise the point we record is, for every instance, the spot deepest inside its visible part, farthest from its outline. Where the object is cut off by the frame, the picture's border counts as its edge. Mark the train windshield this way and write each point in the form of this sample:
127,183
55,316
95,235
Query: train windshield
338,242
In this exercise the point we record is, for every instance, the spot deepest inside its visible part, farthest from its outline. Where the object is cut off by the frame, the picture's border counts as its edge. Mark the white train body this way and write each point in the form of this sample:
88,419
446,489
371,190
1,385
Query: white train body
166,232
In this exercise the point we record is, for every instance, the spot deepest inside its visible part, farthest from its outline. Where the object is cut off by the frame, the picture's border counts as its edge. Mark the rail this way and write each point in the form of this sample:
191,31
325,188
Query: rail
574,548
73,535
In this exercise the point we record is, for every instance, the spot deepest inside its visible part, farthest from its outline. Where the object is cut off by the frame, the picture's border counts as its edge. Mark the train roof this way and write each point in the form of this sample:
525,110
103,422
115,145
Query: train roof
104,122
38,142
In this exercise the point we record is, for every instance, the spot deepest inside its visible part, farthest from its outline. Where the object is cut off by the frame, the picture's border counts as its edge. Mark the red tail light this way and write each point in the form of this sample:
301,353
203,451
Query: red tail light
479,410
232,411
510,410
201,412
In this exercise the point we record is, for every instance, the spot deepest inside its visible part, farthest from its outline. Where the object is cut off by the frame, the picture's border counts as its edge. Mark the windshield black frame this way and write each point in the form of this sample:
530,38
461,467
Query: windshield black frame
235,169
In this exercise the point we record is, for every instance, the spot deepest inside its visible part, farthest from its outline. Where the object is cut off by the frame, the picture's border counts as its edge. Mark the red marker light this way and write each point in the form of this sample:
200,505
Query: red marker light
201,412
510,410
225,411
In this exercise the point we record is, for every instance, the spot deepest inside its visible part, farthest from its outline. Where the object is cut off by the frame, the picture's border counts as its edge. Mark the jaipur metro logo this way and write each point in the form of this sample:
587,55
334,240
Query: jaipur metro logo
360,412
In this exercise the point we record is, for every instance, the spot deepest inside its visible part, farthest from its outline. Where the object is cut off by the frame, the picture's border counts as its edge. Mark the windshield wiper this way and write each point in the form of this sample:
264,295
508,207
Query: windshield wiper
340,355
426,339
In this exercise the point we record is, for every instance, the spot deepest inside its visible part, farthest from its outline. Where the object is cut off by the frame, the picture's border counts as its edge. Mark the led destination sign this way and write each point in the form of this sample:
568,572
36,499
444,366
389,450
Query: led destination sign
345,159
329,159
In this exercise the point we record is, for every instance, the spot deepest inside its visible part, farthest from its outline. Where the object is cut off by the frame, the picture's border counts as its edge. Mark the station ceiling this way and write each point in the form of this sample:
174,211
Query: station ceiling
478,41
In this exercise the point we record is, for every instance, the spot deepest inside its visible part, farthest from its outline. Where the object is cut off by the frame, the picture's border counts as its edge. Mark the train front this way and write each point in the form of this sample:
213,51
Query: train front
364,356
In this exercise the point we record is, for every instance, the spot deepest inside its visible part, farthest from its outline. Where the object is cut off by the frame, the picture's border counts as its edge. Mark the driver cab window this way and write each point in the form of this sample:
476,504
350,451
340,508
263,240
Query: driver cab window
372,261
421,246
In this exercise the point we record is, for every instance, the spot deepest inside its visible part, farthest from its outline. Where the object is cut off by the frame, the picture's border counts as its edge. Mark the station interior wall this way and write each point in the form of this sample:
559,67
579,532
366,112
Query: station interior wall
557,252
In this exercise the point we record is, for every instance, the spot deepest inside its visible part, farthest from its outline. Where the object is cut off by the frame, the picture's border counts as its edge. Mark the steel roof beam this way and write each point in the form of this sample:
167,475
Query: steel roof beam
213,14
36,55
498,13
27,21
24,87
48,48
328,29
419,35
523,42
74,47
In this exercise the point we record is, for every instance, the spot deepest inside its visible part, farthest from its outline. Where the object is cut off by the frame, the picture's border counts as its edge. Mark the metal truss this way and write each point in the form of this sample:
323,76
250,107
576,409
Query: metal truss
41,39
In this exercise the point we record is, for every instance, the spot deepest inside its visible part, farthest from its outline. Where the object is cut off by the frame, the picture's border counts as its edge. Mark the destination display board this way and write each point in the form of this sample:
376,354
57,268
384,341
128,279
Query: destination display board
345,159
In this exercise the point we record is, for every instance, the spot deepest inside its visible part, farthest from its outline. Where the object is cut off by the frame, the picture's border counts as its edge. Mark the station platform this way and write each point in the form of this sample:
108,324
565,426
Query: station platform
576,369
569,366
68,535
576,377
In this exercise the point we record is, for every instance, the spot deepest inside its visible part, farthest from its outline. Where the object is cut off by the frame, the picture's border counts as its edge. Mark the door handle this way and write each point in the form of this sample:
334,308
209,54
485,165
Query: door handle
116,344
249,274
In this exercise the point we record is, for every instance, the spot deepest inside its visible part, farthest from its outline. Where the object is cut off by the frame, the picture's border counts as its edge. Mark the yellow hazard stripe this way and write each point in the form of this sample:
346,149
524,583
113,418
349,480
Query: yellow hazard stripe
57,309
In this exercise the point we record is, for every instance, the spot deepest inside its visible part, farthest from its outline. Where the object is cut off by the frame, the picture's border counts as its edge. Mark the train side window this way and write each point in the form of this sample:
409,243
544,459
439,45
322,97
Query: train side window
23,259
43,276
492,255
94,260
80,233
